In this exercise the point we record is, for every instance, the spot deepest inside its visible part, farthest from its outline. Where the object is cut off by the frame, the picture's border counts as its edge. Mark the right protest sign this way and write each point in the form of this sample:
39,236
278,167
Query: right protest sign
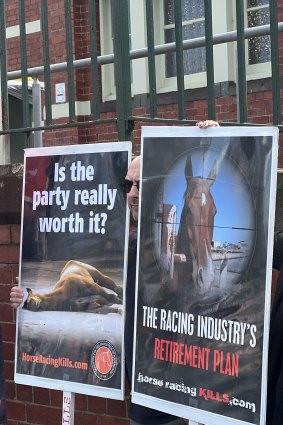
204,272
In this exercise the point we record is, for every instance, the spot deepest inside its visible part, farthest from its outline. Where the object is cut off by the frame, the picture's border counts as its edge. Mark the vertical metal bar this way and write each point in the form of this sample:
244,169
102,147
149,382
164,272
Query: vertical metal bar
5,156
209,58
3,69
151,58
179,58
95,105
36,101
275,62
241,64
70,65
120,27
26,116
46,61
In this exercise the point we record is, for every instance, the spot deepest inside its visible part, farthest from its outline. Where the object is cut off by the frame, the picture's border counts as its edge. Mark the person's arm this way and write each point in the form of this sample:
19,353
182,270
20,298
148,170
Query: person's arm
16,296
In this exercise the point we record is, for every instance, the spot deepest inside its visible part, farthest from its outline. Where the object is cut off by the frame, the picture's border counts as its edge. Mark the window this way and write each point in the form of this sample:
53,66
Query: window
258,54
193,26
258,47
137,40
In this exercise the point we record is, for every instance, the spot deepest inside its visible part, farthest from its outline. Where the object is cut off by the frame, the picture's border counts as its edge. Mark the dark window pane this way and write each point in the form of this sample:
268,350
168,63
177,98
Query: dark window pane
170,58
194,59
256,3
259,50
259,47
258,17
169,35
170,65
169,16
192,9
194,30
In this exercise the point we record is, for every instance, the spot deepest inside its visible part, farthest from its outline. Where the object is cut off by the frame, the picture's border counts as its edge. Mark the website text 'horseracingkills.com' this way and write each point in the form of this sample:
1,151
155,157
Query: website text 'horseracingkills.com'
54,361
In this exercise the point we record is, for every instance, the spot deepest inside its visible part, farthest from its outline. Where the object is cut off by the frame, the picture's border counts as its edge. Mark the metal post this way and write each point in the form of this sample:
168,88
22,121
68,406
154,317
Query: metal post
179,59
70,63
275,62
68,408
241,65
151,58
209,58
4,105
46,61
36,100
24,74
120,28
95,103
4,139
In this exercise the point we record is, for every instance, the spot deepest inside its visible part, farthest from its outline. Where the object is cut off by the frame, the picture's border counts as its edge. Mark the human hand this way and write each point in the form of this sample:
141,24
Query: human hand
16,296
207,124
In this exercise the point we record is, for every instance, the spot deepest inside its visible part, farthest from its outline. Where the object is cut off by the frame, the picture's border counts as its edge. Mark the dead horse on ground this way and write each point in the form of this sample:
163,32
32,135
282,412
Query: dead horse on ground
80,287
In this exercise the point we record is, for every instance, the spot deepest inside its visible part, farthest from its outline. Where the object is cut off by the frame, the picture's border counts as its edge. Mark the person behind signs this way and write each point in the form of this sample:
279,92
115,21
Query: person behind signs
3,416
274,411
137,414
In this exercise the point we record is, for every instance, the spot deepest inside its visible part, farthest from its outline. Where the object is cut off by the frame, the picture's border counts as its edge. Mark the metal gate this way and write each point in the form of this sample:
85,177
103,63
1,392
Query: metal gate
123,58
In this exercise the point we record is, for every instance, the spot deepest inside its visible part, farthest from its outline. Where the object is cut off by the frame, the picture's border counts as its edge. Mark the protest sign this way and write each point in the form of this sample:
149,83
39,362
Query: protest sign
72,269
204,272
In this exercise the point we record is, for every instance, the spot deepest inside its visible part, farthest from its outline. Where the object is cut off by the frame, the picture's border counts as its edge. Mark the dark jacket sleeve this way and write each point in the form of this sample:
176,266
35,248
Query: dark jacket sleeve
278,250
274,411
3,417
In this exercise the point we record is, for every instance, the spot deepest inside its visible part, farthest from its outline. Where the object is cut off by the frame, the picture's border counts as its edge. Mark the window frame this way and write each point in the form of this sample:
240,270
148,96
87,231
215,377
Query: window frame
259,70
223,70
139,84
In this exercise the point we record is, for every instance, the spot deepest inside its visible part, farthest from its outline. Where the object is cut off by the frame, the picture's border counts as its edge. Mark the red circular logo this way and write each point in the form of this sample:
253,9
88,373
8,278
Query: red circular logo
104,360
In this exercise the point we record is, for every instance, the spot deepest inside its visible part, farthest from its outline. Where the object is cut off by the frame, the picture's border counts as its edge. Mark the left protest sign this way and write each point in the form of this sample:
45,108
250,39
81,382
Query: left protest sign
72,269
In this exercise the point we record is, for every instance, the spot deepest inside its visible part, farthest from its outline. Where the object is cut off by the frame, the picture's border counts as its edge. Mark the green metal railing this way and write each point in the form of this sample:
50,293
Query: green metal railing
122,57
275,62
241,59
46,62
